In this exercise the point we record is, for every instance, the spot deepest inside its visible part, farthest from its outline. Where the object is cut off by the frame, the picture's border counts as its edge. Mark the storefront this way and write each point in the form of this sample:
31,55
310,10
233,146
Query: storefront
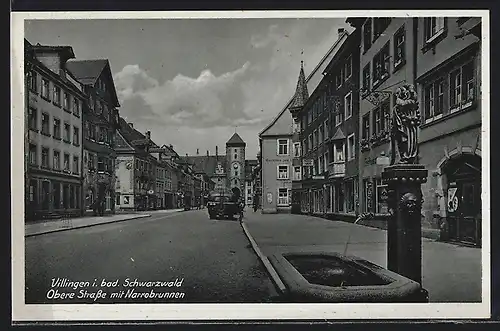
50,196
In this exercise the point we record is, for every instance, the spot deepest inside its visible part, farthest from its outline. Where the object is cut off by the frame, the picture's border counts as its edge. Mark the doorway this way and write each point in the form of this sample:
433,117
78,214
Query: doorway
463,199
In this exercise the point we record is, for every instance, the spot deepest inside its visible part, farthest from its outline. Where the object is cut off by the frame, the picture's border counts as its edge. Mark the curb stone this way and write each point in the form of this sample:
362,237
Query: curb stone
270,269
85,226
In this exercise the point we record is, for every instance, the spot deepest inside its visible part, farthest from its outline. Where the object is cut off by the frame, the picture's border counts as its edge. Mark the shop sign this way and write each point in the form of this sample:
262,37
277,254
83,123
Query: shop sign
307,163
452,199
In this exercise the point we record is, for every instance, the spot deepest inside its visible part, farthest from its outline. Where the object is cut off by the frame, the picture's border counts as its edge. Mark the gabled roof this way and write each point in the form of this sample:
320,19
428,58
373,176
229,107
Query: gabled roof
339,135
311,80
88,71
235,140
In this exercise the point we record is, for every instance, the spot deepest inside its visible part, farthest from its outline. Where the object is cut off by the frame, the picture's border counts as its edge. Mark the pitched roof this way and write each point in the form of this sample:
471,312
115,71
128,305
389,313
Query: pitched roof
87,72
301,92
206,164
310,79
339,135
235,140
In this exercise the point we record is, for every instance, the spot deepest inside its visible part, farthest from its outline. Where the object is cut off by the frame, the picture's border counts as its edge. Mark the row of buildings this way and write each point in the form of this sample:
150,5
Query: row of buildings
325,151
81,156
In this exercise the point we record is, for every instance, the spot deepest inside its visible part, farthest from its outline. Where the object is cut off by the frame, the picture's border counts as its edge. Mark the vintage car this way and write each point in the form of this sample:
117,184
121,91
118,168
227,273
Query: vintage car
222,205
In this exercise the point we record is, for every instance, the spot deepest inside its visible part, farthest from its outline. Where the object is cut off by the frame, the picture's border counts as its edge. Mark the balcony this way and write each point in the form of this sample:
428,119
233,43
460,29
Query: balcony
336,169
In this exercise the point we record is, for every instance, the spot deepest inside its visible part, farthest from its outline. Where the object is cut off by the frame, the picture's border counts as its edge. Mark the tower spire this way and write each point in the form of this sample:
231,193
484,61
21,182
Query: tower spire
301,92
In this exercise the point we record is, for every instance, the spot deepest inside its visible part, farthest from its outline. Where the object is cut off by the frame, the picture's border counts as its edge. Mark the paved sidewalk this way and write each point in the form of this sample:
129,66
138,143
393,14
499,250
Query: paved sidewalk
38,228
451,273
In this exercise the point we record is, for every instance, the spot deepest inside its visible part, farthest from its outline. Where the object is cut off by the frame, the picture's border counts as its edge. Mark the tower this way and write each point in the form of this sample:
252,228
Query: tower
235,160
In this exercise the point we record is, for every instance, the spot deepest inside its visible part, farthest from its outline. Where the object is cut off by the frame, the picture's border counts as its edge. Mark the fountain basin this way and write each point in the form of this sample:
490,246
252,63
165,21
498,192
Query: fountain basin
332,277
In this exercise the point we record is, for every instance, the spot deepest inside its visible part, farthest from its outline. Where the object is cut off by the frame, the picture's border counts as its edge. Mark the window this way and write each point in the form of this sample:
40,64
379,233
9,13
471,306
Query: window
91,102
365,134
33,155
282,172
101,164
45,157
56,162
235,156
45,89
93,131
351,147
76,107
296,149
367,35
45,124
283,197
348,68
67,133
32,118
379,25
366,78
381,63
76,136
326,130
381,197
339,114
455,89
297,174
282,146
339,152
66,162
65,196
315,138
348,105
57,95
76,164
468,82
320,134
32,81
340,77
309,116
57,128
433,27
327,159
321,163
310,143
433,100
399,47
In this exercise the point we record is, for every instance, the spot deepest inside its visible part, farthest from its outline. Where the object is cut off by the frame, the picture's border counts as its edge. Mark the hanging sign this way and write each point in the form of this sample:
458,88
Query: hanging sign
307,163
452,200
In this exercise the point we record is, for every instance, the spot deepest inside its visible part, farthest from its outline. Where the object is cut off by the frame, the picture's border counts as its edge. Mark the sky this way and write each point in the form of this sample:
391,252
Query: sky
193,83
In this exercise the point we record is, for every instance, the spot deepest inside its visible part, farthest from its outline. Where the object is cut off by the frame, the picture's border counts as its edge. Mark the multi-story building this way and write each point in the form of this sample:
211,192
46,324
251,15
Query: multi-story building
278,138
54,133
100,121
448,78
388,49
257,179
135,169
328,135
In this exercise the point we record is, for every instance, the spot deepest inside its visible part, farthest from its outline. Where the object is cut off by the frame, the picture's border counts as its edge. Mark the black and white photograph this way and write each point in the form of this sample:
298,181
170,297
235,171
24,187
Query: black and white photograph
248,165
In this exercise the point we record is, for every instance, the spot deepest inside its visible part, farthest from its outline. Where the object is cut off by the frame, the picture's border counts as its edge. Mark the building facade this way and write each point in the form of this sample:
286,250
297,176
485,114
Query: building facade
54,133
100,121
250,166
388,61
448,84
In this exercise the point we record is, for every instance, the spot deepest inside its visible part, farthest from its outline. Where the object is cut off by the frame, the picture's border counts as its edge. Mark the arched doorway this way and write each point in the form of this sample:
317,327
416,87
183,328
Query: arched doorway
463,198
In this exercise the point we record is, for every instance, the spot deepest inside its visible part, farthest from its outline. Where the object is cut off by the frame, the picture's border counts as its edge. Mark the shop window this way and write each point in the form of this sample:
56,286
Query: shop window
45,195
56,195
381,197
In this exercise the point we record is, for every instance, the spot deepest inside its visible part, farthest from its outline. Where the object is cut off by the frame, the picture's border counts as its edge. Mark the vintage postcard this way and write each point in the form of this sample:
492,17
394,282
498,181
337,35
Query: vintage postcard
250,165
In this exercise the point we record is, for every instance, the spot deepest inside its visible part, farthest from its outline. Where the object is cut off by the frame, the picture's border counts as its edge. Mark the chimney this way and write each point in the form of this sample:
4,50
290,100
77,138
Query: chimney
340,31
131,125
197,151
207,153
216,150
148,134
171,146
